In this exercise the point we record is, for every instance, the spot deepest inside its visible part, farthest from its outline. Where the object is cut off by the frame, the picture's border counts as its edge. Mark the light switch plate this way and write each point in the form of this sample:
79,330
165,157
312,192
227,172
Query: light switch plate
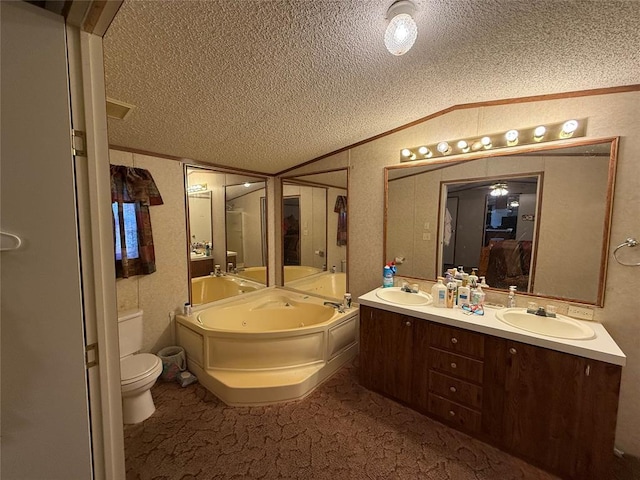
582,313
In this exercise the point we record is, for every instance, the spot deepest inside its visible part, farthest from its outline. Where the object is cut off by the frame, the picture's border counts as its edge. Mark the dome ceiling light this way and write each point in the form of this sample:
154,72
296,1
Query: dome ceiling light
402,30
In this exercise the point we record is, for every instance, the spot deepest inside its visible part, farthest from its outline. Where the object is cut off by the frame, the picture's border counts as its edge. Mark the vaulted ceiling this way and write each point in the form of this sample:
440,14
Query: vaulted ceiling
265,85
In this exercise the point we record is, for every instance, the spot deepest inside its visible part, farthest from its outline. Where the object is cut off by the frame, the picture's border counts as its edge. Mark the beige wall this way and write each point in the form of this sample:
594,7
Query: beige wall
165,290
609,115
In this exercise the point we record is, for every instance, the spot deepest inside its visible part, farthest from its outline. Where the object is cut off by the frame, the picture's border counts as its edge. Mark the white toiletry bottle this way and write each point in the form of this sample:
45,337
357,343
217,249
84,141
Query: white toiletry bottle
512,296
439,294
451,294
464,295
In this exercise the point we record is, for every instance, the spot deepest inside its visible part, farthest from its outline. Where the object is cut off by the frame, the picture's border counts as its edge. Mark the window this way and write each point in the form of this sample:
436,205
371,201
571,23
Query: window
130,230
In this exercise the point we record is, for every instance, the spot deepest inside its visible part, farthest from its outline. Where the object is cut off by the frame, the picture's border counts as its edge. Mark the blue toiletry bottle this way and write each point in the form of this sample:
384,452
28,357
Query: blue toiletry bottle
387,277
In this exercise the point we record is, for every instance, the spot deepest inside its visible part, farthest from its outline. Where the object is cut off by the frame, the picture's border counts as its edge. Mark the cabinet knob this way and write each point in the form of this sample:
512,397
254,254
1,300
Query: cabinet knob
453,389
408,324
454,365
513,351
452,413
454,340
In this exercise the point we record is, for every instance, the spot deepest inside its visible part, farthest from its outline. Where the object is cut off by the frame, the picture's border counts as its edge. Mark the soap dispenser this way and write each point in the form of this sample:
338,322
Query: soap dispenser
439,294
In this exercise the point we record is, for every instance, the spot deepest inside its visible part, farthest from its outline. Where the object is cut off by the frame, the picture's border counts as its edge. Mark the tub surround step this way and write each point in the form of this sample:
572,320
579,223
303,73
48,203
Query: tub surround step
266,378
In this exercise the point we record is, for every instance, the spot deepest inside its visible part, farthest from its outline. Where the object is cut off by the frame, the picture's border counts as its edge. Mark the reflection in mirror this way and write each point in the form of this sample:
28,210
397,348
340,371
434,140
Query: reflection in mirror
548,234
314,233
491,224
227,231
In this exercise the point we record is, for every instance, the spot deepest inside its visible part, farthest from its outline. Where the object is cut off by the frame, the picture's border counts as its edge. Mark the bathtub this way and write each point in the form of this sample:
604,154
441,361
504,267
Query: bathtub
210,289
291,272
327,284
269,346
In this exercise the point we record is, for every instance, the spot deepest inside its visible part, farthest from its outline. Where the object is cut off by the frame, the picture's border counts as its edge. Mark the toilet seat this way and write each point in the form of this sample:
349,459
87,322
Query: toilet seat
138,367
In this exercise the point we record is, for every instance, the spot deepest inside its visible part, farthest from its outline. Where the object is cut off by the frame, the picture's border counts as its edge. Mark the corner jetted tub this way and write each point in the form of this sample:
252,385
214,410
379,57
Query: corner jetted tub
210,289
269,346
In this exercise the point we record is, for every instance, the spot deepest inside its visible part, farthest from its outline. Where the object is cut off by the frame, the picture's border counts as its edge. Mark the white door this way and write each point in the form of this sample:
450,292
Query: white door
44,401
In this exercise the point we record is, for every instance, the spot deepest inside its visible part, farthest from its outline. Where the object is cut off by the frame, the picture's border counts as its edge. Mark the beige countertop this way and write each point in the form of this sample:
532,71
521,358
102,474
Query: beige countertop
602,347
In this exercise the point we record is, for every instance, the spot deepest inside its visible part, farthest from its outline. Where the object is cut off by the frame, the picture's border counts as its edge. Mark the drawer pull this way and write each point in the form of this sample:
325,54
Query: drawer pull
454,365
454,340
452,413
453,389
513,351
408,324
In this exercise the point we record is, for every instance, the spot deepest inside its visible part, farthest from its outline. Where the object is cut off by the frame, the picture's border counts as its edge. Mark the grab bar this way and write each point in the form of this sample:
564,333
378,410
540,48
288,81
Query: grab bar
629,242
15,237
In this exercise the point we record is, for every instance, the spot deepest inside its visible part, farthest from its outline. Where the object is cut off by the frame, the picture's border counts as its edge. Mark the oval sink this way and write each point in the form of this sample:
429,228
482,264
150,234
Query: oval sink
396,295
559,327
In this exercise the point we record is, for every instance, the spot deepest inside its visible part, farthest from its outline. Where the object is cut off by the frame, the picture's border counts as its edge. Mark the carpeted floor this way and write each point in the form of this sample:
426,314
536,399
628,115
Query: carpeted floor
341,431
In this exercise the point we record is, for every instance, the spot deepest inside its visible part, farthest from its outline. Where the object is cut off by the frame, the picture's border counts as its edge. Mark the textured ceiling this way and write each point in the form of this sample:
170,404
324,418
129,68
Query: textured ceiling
265,85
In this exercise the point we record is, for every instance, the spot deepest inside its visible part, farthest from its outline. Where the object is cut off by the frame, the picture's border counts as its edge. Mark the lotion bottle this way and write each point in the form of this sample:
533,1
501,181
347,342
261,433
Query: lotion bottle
439,294
451,294
464,295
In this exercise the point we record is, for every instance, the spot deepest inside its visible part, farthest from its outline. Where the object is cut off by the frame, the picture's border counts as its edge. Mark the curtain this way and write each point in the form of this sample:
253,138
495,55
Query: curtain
341,209
134,186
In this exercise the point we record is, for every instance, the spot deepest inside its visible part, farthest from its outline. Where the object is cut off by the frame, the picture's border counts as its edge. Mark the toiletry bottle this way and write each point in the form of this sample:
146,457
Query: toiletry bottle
478,296
387,277
473,279
451,294
512,296
464,295
439,294
458,283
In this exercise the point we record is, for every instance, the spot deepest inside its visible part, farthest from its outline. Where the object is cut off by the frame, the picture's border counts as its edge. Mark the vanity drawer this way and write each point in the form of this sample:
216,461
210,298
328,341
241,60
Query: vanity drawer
452,412
456,365
456,340
457,390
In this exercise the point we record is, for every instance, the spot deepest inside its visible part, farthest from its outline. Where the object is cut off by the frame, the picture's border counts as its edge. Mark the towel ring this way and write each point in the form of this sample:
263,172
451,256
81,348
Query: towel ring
14,237
629,242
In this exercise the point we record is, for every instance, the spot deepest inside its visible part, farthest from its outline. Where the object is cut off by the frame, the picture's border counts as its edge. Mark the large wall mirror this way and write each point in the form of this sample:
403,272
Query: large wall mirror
314,233
537,219
227,233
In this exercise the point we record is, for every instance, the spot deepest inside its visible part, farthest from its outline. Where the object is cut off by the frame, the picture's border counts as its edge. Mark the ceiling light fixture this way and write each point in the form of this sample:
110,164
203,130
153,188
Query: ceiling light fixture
246,184
402,30
499,190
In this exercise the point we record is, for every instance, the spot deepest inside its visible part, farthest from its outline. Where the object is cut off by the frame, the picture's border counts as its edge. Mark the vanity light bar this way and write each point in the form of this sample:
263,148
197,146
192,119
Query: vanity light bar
511,138
198,187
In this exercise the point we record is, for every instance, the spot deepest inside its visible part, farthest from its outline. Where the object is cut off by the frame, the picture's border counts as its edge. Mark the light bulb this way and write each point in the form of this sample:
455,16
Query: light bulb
401,32
443,148
247,184
568,128
512,137
423,150
463,145
539,132
405,152
486,142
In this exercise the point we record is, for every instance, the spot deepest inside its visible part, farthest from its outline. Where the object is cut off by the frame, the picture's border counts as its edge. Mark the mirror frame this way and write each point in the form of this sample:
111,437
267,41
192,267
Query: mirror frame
519,150
225,171
294,179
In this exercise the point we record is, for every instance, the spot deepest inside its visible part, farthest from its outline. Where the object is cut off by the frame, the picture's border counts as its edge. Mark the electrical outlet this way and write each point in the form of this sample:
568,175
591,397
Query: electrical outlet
582,313
426,236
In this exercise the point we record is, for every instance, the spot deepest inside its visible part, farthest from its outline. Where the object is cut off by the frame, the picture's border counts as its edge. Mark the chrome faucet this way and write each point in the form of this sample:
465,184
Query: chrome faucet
541,312
336,305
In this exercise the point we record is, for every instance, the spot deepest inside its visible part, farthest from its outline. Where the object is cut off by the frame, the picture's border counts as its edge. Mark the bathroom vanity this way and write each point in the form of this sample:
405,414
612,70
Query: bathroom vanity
550,401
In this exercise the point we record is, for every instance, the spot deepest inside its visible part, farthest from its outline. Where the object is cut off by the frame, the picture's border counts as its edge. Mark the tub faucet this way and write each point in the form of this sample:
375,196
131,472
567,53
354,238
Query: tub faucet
336,305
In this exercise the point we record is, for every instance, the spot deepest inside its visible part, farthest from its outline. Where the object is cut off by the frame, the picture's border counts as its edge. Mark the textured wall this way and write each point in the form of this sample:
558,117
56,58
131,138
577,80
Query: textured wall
166,289
609,115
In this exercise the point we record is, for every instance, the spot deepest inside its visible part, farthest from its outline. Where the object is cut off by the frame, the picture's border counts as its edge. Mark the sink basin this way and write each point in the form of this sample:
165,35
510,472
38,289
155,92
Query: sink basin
396,295
559,327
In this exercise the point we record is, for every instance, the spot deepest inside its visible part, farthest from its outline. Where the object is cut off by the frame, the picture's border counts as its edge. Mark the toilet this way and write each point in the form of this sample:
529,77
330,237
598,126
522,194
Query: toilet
138,371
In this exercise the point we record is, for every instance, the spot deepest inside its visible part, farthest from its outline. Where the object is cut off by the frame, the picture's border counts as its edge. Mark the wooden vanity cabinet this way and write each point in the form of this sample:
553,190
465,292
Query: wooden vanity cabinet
386,352
553,409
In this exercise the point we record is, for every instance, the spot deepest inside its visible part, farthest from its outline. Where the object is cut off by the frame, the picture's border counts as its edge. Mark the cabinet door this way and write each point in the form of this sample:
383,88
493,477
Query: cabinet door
543,390
386,347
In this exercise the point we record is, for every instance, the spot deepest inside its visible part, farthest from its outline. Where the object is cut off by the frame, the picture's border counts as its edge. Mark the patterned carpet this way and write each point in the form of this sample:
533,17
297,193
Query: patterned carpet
341,431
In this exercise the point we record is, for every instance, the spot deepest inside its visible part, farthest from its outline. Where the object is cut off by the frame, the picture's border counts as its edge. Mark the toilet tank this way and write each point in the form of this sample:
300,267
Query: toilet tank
130,332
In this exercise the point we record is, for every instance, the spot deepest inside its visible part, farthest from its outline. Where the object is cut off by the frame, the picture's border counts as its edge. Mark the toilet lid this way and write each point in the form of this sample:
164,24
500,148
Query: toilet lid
136,366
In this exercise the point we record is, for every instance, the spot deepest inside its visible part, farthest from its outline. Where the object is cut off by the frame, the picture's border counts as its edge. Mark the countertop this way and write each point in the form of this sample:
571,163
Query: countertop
602,347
